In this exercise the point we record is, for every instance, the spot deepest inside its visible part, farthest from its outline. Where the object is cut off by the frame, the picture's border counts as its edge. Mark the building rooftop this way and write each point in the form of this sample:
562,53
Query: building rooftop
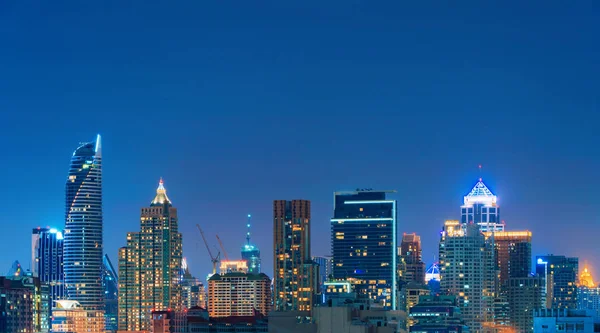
480,194
249,276
161,195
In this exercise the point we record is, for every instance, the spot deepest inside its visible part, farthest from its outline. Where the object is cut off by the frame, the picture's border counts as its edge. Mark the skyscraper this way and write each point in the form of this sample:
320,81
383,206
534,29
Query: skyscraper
364,245
561,280
110,282
150,265
83,227
21,305
47,262
468,271
588,294
512,250
410,252
480,207
295,281
250,252
524,295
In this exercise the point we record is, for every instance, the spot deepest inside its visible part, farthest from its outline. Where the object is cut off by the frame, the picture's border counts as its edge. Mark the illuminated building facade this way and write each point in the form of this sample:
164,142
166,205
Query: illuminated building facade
251,252
468,271
192,289
47,262
480,207
233,266
562,275
433,272
410,253
83,248
364,245
239,294
23,306
110,282
295,281
150,265
512,250
524,295
70,316
588,294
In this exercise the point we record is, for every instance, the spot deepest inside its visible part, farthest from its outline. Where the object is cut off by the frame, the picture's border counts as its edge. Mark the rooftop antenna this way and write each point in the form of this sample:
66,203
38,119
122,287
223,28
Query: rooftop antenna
480,166
248,226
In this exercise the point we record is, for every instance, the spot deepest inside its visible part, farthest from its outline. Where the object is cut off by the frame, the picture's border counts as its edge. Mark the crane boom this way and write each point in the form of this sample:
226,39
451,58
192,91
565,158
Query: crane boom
213,259
222,248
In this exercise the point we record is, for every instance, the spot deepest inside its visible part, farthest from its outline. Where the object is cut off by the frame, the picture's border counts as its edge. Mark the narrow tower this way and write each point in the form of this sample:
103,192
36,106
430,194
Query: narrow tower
83,227
250,252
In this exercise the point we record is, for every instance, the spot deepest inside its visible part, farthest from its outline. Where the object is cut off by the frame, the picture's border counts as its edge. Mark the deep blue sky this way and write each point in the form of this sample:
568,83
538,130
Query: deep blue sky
237,103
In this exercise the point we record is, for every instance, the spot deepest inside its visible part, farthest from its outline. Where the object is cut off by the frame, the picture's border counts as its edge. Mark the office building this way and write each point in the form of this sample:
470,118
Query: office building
468,271
150,265
588,294
524,295
480,207
364,245
238,294
410,252
512,250
83,248
251,252
110,283
436,314
70,316
562,275
325,270
47,262
23,307
296,275
410,294
563,320
198,321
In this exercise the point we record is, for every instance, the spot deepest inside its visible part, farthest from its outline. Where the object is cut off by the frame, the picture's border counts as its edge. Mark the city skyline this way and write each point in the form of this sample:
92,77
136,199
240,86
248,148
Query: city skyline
234,114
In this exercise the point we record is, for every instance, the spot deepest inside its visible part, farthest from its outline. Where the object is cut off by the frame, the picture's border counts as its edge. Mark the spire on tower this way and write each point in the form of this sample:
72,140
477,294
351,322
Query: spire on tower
248,225
161,194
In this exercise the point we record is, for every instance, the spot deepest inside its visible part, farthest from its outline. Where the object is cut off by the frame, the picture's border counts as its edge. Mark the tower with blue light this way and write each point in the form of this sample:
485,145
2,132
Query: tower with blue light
480,207
83,227
251,252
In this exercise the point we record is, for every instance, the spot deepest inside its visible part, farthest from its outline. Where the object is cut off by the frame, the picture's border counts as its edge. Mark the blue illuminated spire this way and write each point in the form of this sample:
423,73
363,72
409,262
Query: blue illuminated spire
250,252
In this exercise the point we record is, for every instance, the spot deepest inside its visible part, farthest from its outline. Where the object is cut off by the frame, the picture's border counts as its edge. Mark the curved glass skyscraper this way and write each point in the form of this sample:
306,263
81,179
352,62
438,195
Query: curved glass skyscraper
83,227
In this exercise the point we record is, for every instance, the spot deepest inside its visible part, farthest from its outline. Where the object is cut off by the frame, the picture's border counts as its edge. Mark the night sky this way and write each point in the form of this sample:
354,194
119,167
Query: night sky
238,103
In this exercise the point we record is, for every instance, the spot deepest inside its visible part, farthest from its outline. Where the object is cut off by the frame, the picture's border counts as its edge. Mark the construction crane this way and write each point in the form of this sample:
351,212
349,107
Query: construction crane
213,259
222,248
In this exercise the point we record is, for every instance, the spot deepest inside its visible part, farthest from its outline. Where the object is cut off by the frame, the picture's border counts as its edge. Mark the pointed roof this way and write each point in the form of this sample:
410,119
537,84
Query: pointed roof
586,279
480,194
161,195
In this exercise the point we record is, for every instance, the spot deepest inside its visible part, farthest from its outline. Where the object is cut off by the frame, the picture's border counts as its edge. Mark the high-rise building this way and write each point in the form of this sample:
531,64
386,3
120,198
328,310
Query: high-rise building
561,275
70,316
480,207
150,265
468,271
364,244
524,295
325,270
47,262
239,294
110,282
512,250
251,252
588,294
22,305
83,227
295,283
410,253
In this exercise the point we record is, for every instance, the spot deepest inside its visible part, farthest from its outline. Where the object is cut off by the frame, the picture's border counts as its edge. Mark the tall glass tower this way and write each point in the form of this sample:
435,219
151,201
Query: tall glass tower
251,252
364,243
83,227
